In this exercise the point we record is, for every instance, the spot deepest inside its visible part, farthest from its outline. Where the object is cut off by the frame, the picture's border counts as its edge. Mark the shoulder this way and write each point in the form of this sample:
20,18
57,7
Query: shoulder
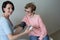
37,15
3,20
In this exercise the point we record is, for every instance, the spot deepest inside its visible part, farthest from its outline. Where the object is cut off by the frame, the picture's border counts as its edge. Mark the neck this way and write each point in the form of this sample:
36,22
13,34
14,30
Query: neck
6,16
32,15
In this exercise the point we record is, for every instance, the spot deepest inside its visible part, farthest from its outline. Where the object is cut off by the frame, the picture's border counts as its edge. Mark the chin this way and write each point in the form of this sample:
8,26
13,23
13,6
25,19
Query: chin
10,14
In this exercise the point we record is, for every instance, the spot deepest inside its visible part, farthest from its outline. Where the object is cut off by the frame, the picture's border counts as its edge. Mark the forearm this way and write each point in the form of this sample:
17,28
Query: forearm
43,34
19,35
18,30
14,37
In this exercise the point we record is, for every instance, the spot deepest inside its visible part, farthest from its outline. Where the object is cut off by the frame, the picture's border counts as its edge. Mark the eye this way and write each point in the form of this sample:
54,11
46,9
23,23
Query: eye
9,8
27,11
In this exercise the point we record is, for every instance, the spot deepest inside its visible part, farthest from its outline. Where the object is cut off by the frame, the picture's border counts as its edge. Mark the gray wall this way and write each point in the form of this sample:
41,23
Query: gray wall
48,9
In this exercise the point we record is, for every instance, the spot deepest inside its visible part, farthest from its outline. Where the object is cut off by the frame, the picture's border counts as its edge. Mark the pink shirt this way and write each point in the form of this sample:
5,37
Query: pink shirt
39,28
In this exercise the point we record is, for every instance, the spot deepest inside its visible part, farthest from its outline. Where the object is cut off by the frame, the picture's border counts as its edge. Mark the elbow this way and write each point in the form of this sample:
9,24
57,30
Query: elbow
11,37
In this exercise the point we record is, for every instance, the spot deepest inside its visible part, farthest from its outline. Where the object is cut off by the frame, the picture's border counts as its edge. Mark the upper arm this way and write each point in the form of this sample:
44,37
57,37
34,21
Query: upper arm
26,20
42,25
40,21
18,30
6,27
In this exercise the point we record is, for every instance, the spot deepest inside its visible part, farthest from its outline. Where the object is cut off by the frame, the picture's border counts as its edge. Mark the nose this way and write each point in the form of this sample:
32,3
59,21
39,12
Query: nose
11,10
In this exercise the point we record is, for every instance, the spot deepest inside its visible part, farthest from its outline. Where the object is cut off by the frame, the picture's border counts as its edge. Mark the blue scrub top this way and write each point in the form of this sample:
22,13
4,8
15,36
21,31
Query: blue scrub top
5,28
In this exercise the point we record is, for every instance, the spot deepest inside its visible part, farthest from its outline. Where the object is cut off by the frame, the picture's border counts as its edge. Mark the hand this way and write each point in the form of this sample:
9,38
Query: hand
27,30
40,38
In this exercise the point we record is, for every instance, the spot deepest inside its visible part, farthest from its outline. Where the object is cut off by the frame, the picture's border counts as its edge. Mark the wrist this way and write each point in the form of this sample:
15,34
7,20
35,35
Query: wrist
40,38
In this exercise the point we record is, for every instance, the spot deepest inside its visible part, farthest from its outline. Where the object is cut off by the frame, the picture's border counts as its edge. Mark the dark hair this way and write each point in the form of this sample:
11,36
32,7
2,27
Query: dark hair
5,3
30,5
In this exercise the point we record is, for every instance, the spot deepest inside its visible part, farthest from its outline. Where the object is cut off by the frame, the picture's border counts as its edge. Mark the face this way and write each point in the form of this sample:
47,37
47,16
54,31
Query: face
28,11
8,9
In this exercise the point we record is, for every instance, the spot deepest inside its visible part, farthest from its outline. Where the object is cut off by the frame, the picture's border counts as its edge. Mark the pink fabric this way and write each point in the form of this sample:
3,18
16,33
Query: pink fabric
39,27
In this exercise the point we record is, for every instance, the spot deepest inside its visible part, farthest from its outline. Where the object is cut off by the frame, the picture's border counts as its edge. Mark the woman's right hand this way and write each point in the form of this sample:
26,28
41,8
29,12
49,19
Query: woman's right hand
27,30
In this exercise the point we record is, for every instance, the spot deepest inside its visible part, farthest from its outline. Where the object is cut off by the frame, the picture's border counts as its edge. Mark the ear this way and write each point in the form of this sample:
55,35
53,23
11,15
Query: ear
33,11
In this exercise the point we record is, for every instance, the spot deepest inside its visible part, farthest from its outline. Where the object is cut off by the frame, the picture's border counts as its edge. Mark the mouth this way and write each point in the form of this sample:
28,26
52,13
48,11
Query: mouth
10,13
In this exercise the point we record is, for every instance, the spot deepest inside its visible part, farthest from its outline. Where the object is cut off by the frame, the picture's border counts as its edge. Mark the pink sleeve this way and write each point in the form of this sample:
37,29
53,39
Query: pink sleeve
25,20
42,27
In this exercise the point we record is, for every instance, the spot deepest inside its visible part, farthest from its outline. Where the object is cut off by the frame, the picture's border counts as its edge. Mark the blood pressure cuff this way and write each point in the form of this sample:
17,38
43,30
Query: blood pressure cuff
22,24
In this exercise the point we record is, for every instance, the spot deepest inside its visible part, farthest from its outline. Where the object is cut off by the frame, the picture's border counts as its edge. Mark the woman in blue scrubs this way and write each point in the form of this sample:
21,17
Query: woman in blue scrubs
6,26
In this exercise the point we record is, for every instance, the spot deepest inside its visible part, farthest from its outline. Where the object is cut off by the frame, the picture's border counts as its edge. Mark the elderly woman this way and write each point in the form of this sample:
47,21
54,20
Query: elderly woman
39,31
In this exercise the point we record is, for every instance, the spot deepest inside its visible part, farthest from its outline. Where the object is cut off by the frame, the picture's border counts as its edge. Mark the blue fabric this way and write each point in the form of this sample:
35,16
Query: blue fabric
5,28
46,37
33,38
36,37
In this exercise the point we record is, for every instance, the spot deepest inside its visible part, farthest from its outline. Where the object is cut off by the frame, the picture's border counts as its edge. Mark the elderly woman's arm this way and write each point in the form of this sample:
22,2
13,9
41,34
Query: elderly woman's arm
17,29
